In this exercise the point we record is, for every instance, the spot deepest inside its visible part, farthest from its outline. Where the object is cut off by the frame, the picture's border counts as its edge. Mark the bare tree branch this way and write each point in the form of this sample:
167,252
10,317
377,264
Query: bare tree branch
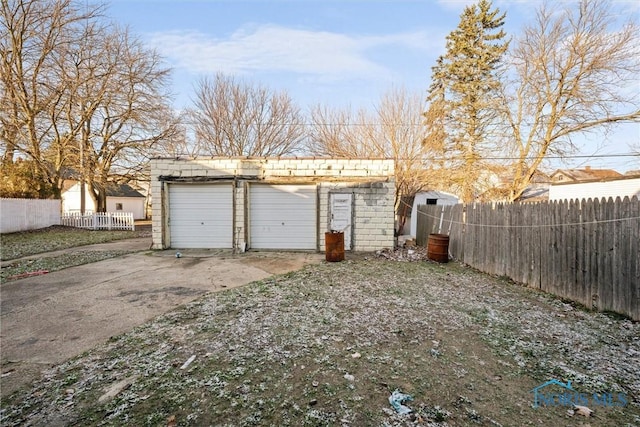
236,119
575,71
395,131
33,34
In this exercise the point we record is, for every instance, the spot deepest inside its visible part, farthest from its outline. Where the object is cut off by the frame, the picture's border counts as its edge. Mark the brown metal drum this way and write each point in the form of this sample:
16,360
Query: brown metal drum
438,247
334,246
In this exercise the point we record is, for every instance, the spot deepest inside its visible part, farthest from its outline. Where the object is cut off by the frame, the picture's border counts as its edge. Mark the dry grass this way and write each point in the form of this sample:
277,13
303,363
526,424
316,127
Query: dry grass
327,346
15,246
25,243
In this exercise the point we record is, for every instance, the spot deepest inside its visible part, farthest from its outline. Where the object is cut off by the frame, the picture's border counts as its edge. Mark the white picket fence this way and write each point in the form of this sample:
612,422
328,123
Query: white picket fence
100,221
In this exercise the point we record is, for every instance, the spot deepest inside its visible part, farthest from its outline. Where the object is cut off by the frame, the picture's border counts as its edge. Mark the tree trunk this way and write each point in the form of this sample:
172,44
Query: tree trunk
101,202
99,196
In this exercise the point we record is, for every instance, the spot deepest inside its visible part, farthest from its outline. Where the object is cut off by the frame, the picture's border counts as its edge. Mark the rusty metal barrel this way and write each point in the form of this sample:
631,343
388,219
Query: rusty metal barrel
438,247
334,246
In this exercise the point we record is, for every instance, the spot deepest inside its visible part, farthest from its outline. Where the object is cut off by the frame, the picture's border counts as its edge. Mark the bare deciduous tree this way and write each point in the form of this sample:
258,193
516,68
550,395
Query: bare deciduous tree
333,133
394,131
575,71
124,107
232,118
33,35
79,95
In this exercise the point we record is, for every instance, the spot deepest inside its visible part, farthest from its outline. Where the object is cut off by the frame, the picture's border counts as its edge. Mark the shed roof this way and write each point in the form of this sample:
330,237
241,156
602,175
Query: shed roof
122,190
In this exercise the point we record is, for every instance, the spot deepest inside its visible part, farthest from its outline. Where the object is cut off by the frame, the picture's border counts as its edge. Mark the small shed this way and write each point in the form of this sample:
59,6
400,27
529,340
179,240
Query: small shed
272,203
432,197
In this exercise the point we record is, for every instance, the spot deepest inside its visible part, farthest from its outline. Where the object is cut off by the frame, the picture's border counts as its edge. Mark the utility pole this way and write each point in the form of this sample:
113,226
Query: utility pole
82,184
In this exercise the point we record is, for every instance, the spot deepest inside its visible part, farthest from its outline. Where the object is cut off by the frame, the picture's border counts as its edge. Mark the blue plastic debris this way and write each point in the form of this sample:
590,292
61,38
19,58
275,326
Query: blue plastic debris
397,399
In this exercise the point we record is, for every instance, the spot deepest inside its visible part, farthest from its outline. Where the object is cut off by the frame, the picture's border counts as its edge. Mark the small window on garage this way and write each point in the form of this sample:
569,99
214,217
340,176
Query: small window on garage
118,206
432,201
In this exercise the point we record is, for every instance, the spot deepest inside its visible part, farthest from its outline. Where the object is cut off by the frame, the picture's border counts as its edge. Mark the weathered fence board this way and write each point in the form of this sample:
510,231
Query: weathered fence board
456,229
100,221
587,251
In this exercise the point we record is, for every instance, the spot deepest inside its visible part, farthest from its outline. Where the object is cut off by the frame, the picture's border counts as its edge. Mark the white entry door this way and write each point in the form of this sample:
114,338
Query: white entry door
340,205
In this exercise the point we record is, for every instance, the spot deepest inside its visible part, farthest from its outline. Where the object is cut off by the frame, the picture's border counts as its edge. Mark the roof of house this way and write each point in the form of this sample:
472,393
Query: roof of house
112,190
67,184
122,190
586,174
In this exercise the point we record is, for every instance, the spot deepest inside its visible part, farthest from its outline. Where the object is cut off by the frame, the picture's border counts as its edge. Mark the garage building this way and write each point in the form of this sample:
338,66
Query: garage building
272,203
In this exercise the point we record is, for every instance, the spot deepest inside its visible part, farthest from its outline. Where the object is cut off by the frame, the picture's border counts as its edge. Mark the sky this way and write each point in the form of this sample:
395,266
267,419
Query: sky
338,53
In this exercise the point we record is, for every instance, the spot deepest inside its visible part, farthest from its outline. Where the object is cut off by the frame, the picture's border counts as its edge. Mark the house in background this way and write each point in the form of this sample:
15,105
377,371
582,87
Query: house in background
536,191
614,186
120,198
580,175
272,203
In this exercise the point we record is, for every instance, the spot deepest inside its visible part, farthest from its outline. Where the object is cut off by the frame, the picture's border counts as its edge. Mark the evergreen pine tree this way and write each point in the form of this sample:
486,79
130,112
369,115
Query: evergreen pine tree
461,98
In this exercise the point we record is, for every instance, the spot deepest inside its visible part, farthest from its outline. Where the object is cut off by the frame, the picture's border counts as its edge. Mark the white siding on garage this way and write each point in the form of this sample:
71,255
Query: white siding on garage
282,216
201,215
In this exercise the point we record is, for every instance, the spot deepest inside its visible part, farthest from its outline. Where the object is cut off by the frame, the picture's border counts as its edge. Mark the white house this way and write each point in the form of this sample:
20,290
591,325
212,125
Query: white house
120,198
624,185
429,198
272,203
581,175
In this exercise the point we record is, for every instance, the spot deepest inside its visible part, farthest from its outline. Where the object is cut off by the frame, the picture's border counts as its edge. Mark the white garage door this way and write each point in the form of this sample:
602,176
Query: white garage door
201,215
282,216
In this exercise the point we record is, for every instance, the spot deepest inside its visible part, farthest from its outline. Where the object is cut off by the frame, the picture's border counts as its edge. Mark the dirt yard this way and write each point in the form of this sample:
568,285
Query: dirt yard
329,344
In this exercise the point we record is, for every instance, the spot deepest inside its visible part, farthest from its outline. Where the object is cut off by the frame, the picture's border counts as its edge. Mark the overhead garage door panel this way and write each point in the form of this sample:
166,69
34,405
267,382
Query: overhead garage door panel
201,216
283,216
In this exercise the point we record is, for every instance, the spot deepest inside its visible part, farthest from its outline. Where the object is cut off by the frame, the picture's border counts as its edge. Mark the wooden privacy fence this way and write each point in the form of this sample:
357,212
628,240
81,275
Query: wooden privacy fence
100,221
587,251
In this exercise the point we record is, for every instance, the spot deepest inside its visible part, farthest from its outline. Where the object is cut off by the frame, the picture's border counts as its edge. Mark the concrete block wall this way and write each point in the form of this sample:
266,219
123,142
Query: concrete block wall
332,168
370,180
373,213
158,195
239,241
265,168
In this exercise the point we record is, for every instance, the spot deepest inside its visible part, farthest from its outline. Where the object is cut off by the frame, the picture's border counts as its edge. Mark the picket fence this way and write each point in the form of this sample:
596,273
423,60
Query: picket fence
583,250
100,221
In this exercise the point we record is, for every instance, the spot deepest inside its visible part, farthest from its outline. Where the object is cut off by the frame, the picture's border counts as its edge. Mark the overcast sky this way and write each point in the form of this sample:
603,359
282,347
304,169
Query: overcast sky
332,52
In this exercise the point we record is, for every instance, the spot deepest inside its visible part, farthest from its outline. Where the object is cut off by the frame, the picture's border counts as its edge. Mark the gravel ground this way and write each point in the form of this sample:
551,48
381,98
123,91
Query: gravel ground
328,345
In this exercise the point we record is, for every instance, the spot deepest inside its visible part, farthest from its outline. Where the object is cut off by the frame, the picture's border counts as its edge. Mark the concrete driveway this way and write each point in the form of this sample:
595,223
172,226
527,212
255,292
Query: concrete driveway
48,319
